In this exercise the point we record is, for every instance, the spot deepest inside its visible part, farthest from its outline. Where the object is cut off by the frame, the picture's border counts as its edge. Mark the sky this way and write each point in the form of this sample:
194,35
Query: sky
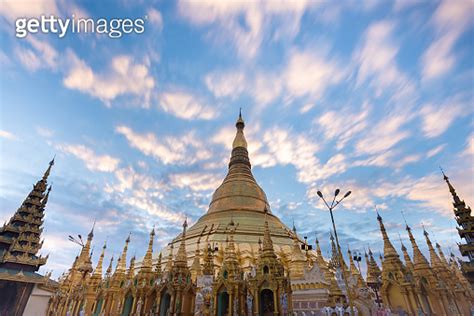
367,96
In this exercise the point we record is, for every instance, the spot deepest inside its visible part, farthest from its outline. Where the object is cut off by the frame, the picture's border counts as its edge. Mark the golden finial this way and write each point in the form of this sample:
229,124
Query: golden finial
239,140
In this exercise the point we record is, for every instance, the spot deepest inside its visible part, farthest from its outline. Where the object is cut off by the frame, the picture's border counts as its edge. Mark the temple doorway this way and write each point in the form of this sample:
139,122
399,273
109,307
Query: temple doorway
98,307
165,304
223,303
127,305
267,306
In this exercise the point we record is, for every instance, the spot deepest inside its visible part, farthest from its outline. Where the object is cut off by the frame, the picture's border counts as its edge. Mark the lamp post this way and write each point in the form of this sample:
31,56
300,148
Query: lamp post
358,258
331,207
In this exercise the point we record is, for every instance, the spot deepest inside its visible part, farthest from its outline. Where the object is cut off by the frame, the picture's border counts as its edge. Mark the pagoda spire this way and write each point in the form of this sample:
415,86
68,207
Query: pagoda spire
48,171
318,248
208,268
441,255
131,268
196,265
158,270
98,268
86,249
239,140
406,256
181,260
231,263
455,196
169,262
419,261
389,251
435,260
373,270
108,272
147,263
319,259
268,250
240,155
22,233
122,261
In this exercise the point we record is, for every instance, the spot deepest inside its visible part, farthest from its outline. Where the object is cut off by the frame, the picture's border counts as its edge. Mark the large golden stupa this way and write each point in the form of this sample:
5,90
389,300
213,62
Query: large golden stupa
241,200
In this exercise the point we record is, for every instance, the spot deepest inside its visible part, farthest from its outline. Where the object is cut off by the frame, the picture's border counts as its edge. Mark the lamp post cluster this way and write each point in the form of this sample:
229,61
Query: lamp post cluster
331,207
357,258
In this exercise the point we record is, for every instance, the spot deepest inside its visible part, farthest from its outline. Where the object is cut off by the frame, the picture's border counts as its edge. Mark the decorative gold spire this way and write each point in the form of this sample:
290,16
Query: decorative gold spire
98,268
239,140
84,262
388,249
441,254
131,268
419,261
86,250
169,262
122,262
108,272
320,259
373,270
181,260
208,268
147,263
406,257
268,250
456,198
158,270
48,171
196,265
435,261
230,265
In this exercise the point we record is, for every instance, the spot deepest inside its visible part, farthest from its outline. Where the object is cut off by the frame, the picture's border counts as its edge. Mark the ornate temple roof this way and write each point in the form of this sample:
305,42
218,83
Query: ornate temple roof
20,238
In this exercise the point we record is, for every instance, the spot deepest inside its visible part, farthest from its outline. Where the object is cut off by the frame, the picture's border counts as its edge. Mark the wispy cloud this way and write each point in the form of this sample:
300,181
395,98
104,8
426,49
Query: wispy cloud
186,106
7,135
196,181
243,24
93,162
124,77
437,119
38,55
449,21
186,149
343,127
376,57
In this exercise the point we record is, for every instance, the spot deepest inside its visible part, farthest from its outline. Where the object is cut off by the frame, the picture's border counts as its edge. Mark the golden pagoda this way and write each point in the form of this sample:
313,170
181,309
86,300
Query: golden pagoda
240,259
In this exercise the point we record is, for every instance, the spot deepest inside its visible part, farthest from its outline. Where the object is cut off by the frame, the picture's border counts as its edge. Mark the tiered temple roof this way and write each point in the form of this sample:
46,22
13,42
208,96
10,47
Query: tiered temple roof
20,238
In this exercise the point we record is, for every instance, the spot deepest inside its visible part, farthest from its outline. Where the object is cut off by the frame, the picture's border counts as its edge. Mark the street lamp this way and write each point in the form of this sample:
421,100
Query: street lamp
331,207
358,258
77,240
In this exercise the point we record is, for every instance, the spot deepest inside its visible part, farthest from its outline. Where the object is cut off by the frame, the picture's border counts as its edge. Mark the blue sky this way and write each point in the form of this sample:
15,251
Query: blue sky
368,96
